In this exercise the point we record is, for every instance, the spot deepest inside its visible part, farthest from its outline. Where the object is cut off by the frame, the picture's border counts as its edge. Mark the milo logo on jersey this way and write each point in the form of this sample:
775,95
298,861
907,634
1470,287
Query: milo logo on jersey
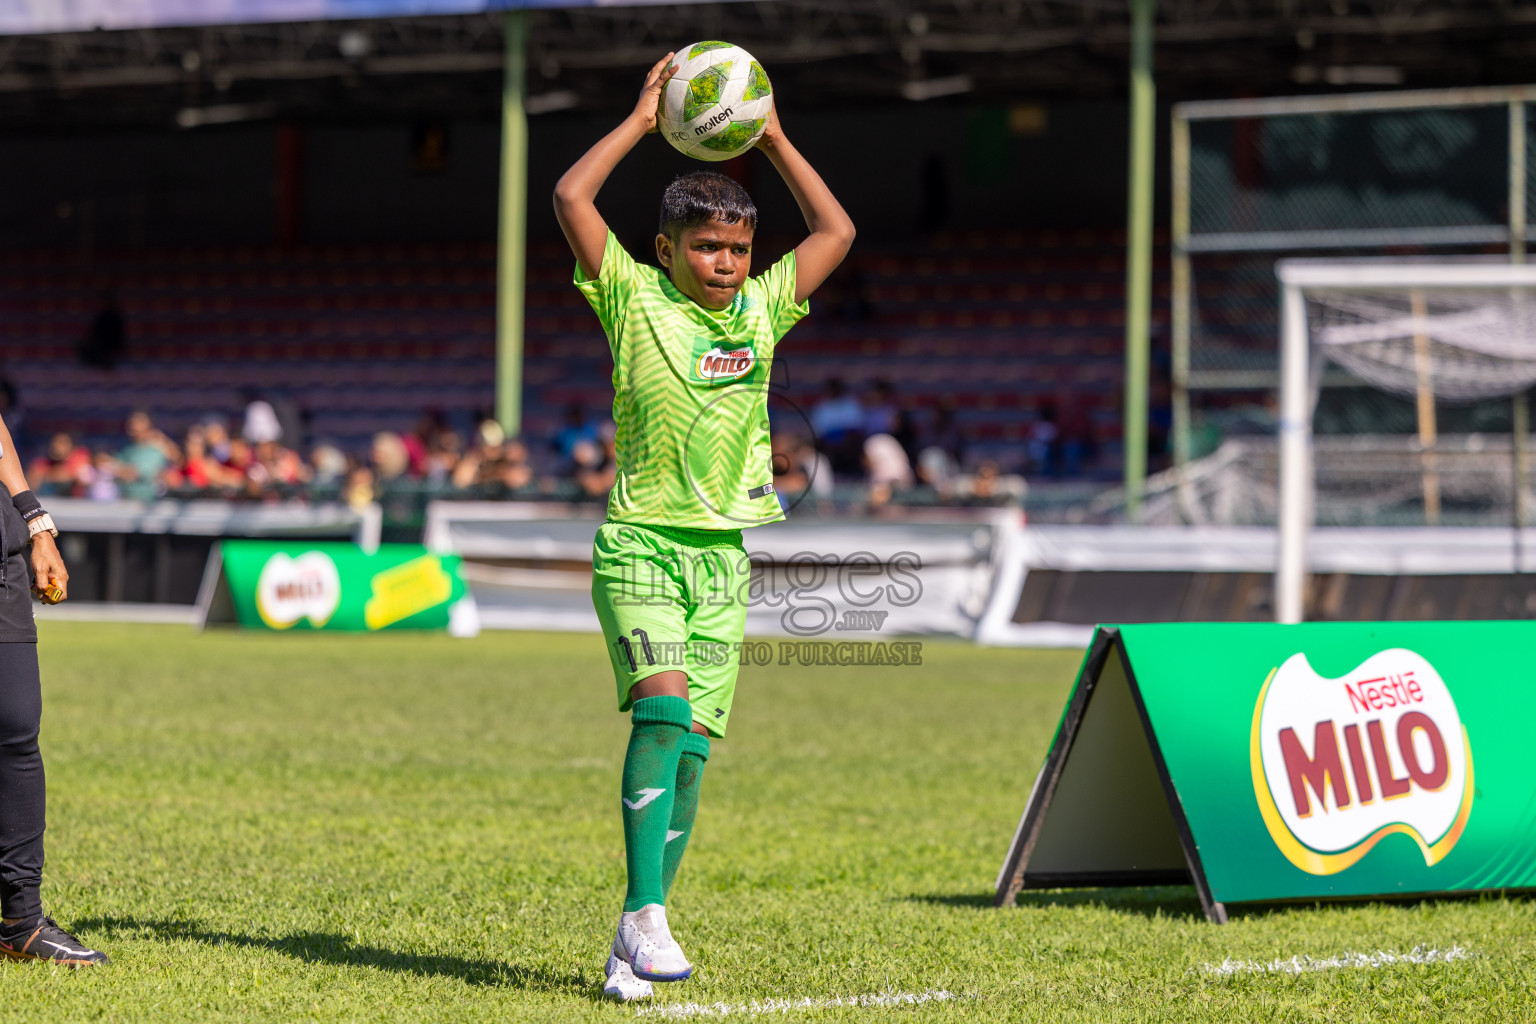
717,363
1340,764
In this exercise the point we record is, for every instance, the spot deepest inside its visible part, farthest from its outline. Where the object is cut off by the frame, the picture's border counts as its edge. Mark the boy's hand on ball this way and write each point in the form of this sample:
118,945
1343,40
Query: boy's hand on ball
650,96
773,133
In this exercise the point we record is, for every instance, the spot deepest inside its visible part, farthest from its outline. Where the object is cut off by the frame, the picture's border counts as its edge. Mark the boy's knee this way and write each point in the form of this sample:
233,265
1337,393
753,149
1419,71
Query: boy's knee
662,710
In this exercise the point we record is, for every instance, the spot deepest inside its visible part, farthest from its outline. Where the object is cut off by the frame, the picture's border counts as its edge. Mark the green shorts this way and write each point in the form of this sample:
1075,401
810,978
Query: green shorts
671,599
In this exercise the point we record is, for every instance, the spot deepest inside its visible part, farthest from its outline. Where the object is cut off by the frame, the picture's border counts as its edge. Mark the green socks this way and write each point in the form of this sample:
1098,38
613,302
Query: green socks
659,729
685,804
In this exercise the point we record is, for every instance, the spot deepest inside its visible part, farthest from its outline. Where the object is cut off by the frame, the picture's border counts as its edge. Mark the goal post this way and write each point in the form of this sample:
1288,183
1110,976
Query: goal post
1457,331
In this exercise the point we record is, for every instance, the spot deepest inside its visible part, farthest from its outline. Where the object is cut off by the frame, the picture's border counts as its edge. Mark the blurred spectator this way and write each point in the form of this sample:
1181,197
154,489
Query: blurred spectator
144,458
889,470
359,492
838,420
906,432
64,470
595,466
789,477
102,484
261,424
945,434
211,463
290,420
275,465
199,470
104,341
330,465
489,434
216,434
1040,441
513,470
984,482
817,468
577,428
837,414
495,467
1075,435
989,486
426,439
936,469
240,459
881,415
479,462
441,459
390,458
799,468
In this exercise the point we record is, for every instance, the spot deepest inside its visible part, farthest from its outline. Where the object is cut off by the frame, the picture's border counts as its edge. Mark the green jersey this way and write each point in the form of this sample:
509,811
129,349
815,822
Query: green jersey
691,393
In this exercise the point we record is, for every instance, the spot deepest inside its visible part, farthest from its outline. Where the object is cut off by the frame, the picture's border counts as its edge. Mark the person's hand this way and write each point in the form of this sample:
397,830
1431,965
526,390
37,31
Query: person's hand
48,566
773,132
649,104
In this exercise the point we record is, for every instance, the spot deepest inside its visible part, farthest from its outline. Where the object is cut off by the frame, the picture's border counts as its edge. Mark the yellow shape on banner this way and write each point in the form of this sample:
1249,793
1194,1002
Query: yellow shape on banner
407,589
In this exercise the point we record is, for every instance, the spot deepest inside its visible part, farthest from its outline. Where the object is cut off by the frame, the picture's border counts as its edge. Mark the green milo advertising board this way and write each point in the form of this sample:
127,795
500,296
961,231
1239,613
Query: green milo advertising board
294,585
1267,763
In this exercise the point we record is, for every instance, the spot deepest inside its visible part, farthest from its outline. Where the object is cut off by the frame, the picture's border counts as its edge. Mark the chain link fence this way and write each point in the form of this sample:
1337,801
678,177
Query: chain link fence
1427,174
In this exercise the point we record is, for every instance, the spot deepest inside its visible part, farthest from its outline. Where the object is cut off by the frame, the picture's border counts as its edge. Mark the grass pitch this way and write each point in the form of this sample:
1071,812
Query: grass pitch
325,828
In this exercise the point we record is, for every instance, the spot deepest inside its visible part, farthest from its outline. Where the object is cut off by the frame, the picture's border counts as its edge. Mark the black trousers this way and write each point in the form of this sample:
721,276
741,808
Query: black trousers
23,792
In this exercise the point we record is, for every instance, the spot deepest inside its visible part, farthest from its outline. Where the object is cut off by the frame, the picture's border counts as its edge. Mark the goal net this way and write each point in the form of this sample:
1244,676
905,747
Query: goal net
1444,344
1434,334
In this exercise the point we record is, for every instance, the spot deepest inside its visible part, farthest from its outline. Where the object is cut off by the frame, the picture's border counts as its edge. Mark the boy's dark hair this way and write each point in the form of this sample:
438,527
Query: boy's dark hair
699,196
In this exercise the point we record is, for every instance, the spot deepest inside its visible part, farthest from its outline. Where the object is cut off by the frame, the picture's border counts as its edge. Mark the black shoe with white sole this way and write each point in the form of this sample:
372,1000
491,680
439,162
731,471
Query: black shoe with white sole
43,939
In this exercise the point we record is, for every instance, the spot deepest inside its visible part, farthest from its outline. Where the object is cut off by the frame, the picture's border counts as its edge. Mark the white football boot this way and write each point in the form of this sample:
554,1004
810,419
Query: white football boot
622,985
646,944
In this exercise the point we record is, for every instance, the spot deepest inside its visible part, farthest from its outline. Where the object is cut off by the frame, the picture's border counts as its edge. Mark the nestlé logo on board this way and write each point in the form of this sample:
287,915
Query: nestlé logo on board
1340,764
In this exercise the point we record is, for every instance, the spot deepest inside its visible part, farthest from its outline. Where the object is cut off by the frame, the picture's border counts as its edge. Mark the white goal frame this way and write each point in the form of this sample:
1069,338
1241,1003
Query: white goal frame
1297,278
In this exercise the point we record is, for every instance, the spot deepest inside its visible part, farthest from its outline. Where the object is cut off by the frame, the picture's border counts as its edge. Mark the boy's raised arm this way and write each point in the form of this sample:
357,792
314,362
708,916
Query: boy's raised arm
831,228
576,191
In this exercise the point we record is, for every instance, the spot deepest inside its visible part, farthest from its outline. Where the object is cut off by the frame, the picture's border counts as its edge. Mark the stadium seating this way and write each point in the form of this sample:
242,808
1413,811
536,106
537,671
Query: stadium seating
365,338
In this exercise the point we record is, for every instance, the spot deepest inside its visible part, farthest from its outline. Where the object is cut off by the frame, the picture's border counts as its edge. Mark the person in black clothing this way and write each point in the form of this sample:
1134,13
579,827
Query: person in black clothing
26,933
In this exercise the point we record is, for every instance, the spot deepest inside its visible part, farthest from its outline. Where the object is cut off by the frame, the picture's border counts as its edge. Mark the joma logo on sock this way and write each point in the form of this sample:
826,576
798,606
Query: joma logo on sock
645,797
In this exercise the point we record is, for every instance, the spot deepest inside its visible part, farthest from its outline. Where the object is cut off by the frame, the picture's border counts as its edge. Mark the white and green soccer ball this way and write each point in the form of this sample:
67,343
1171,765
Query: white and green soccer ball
717,104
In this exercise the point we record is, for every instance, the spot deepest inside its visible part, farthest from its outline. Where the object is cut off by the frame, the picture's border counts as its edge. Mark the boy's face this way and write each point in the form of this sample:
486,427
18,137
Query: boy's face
708,262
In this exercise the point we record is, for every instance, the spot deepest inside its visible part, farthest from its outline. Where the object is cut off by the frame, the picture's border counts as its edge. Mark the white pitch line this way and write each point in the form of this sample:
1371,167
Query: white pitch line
760,1007
1303,964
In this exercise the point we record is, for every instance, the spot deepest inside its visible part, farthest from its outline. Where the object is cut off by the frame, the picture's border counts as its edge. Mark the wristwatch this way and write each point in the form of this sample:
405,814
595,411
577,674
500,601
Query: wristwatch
32,513
41,523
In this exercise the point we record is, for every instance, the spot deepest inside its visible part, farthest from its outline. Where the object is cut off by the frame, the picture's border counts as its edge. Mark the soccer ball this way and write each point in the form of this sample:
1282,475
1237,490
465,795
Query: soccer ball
717,104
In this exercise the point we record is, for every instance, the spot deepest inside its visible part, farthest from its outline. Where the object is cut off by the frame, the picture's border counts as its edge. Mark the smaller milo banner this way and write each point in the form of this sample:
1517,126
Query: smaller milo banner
286,585
1265,763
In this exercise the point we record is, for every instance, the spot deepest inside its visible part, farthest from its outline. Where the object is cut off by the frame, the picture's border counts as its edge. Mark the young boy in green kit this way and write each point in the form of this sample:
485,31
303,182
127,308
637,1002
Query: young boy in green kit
692,345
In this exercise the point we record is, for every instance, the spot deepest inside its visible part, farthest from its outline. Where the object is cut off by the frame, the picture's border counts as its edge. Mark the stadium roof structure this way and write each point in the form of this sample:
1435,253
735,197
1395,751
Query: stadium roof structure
824,52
